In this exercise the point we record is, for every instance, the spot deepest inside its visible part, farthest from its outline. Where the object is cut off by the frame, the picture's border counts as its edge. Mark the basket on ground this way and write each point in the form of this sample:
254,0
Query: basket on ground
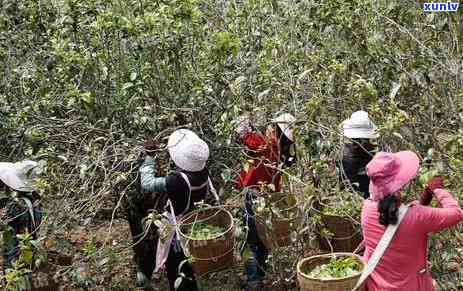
346,235
213,253
279,219
307,283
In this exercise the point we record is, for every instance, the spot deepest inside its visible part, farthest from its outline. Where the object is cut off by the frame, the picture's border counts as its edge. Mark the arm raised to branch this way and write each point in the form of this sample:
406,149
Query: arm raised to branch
149,182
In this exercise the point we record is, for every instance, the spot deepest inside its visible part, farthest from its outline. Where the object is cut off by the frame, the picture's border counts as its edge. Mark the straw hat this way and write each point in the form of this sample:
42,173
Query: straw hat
187,150
359,125
285,122
390,172
19,176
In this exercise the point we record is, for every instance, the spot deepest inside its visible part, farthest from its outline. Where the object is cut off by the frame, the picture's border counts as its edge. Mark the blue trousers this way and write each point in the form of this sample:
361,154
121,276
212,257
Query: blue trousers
256,265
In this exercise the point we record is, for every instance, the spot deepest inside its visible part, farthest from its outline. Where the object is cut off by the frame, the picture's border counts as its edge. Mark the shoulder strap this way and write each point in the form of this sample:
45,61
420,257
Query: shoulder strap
200,187
185,177
212,189
381,247
30,207
171,207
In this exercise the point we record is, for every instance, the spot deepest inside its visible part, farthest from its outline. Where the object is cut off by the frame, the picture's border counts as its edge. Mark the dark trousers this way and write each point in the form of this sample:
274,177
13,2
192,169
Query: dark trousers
255,266
174,260
22,222
145,245
145,241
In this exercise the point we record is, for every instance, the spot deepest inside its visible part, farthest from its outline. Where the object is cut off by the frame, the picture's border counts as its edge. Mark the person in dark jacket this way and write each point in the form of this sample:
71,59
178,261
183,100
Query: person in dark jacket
20,210
359,152
144,238
187,185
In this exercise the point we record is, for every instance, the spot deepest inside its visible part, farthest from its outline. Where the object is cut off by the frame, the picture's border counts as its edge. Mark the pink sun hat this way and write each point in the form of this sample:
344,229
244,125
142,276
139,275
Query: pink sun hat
390,172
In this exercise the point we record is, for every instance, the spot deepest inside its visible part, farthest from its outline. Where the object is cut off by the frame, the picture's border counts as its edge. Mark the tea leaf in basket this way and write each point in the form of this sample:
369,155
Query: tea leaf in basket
337,268
204,231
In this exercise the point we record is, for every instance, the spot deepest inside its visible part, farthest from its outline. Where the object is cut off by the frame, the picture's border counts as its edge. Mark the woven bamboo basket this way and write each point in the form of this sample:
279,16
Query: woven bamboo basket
213,254
346,236
275,231
307,283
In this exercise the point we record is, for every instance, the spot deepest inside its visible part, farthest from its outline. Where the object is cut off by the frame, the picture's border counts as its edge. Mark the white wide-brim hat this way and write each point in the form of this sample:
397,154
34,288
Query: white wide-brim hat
19,176
285,122
187,150
359,125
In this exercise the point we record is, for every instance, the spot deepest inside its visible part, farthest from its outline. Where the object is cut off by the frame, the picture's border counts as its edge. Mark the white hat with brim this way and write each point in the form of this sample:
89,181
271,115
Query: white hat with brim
285,122
18,176
187,150
359,125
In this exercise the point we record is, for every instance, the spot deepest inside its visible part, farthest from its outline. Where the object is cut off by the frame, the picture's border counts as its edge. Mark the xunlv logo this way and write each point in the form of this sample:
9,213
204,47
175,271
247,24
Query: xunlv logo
445,7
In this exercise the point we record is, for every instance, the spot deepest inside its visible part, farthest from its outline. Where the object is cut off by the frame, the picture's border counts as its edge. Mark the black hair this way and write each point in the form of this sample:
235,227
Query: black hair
388,210
285,145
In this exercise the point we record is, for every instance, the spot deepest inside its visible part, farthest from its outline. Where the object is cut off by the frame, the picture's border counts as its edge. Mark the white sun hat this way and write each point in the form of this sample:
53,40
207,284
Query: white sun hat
19,176
187,150
359,125
285,122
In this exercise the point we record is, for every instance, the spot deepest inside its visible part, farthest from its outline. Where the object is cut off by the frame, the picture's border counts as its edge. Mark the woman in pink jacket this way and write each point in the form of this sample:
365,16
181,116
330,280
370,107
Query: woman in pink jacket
403,265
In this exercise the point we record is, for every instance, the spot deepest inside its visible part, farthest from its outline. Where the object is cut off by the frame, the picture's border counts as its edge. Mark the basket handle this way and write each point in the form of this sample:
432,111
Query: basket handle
359,247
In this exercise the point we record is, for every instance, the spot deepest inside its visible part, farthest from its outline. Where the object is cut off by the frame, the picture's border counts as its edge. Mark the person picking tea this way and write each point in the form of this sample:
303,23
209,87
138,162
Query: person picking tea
265,155
359,152
403,264
188,184
20,212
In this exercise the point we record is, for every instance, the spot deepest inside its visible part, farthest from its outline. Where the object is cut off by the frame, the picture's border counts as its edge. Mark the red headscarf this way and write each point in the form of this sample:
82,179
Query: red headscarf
263,168
254,141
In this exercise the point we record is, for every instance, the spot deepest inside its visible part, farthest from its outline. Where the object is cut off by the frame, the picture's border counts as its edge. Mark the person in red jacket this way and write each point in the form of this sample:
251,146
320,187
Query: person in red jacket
266,155
262,169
